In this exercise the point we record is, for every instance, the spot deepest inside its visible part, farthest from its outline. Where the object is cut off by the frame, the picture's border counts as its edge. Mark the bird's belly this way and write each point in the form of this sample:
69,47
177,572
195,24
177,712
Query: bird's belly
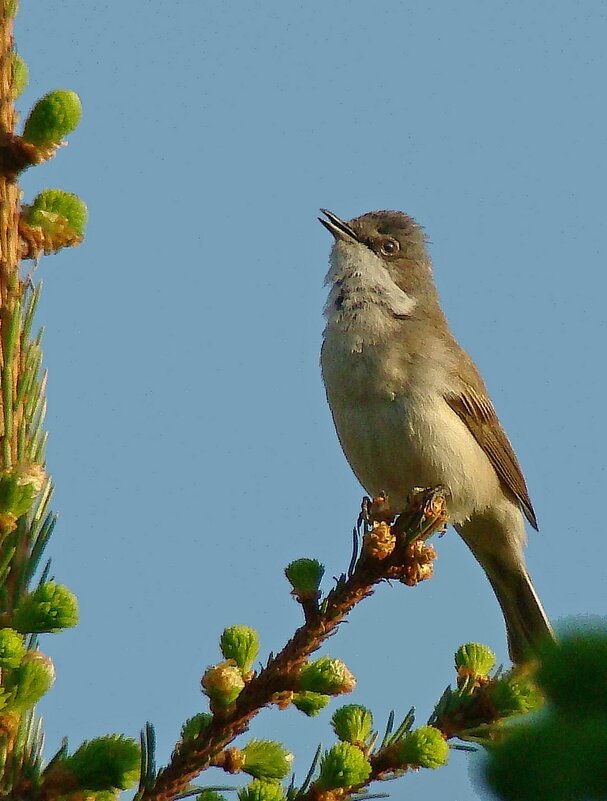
375,438
394,444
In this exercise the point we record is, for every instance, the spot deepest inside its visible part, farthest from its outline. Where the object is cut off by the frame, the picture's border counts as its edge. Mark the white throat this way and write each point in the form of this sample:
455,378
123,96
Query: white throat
363,301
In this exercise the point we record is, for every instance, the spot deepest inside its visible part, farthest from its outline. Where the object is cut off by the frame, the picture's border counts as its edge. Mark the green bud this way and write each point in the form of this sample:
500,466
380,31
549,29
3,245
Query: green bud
305,576
105,763
30,681
53,117
223,683
18,488
210,795
11,648
265,759
425,747
326,675
52,209
344,765
240,643
474,658
352,723
310,703
20,75
555,759
259,790
194,725
5,698
515,694
573,673
51,607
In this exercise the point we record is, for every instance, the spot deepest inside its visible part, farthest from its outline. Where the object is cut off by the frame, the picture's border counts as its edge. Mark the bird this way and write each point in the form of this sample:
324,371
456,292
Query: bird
411,409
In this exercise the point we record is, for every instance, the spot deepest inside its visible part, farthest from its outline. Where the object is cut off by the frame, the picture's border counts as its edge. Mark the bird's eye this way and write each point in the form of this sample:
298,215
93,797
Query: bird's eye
389,247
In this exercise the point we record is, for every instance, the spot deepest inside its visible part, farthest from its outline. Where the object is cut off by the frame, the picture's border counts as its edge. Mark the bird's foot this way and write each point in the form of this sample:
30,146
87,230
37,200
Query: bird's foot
426,513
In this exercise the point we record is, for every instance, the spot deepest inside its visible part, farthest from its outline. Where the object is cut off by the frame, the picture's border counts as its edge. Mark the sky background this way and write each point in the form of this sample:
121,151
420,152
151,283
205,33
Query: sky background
190,441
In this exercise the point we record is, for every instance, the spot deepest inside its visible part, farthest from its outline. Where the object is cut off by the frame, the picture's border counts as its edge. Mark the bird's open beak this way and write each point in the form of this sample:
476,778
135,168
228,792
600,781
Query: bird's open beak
338,228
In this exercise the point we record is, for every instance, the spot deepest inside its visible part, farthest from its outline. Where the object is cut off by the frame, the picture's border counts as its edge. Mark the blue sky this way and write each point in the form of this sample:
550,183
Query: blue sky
190,441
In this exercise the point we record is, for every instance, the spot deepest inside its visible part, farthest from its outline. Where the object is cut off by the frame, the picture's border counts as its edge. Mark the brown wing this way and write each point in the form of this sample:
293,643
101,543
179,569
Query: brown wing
476,410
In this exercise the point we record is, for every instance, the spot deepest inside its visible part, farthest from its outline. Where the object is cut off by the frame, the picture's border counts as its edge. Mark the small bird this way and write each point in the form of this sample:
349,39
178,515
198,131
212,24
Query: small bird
411,409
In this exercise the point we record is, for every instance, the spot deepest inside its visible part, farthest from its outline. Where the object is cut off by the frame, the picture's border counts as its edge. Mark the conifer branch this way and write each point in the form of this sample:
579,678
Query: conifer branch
408,560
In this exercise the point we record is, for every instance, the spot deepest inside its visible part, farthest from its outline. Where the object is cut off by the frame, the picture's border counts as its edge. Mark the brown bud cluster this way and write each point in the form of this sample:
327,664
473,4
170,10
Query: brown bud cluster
232,760
8,523
34,240
380,541
419,567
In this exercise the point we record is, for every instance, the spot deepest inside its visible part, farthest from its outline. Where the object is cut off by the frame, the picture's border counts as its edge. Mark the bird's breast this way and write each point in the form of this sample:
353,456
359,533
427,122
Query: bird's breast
395,427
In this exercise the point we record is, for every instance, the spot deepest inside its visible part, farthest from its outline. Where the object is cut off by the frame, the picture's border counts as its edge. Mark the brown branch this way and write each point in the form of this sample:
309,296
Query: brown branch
409,558
10,351
10,286
9,237
17,155
8,193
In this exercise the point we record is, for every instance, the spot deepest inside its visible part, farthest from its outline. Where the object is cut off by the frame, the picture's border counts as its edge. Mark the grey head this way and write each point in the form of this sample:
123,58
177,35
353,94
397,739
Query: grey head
382,252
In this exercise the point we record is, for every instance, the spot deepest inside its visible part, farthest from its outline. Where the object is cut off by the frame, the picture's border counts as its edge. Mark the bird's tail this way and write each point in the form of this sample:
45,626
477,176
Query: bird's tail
527,625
